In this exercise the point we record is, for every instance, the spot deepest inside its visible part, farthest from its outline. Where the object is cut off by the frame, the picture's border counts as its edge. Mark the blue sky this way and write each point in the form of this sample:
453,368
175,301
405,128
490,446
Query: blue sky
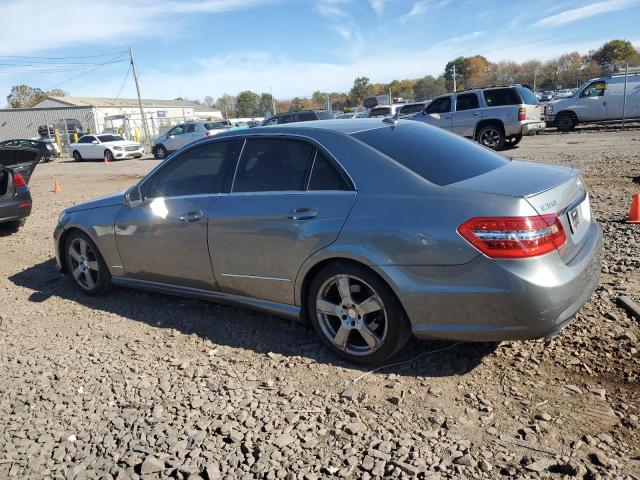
194,48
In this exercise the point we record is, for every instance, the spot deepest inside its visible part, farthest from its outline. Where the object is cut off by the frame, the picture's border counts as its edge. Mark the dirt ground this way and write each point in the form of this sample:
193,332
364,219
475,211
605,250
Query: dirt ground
140,385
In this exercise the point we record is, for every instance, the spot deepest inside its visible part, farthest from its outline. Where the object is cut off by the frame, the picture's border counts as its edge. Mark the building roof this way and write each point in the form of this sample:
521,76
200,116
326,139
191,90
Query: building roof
119,102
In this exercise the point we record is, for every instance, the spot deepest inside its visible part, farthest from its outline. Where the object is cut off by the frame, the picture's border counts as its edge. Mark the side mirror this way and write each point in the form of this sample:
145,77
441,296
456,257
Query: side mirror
170,136
95,142
133,197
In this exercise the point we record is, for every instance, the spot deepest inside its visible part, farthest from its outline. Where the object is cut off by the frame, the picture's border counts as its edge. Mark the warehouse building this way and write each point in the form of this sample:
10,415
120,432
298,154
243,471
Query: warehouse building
80,115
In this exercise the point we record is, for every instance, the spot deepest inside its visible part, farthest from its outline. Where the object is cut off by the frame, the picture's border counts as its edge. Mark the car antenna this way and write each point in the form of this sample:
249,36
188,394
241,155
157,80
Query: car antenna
392,120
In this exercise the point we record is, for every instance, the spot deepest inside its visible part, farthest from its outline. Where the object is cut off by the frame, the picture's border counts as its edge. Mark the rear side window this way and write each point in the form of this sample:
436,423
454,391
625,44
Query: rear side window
214,126
325,176
273,165
306,116
467,101
498,97
528,96
432,153
286,118
411,108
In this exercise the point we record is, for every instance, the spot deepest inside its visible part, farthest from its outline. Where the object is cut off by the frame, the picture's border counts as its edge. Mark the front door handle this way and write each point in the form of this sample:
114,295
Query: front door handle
191,216
476,114
304,213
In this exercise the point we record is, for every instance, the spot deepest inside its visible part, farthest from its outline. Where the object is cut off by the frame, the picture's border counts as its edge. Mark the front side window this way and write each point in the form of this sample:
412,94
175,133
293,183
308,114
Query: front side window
498,97
326,176
109,138
594,89
273,165
467,101
306,116
85,139
271,121
191,127
440,105
288,118
198,171
177,130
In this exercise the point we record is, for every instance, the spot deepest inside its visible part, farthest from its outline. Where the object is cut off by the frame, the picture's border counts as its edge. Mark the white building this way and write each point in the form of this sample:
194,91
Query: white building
82,115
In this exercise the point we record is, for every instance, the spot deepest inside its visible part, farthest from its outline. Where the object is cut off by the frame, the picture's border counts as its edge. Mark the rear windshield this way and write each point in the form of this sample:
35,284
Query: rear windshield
497,97
324,115
435,155
528,96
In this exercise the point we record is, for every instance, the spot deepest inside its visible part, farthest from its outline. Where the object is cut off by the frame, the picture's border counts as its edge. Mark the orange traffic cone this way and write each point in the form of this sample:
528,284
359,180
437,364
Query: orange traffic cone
106,162
56,186
634,211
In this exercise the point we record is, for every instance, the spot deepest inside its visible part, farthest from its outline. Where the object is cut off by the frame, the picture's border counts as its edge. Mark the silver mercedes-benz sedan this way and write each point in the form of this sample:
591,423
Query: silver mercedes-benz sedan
371,230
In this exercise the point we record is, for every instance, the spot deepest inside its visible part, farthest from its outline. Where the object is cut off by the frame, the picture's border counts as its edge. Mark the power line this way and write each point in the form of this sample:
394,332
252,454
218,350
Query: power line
78,76
123,82
67,58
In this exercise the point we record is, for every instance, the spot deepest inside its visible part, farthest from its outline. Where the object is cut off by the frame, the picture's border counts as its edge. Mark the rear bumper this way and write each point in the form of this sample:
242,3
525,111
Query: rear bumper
533,128
15,208
496,300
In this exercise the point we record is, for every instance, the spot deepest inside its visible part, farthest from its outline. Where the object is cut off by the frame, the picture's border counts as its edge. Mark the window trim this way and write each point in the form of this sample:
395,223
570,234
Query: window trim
314,143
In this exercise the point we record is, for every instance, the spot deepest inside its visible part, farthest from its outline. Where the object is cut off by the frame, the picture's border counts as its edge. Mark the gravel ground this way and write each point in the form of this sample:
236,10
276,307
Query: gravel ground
139,385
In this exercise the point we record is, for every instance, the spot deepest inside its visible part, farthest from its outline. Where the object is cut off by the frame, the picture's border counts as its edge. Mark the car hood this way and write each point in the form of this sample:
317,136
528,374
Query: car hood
122,143
104,201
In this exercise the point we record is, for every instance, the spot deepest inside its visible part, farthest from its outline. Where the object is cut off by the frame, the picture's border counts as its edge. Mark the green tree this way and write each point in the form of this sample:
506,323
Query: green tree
460,64
614,53
265,104
429,87
360,90
22,96
319,99
247,104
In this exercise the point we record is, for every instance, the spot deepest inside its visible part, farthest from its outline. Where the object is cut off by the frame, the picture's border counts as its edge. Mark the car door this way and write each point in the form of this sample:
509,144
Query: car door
288,200
191,134
163,237
466,115
438,113
174,138
591,102
87,148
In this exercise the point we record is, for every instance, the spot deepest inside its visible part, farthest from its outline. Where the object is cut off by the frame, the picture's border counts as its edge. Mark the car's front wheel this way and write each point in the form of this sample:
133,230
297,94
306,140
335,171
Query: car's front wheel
160,152
86,265
356,315
566,122
108,155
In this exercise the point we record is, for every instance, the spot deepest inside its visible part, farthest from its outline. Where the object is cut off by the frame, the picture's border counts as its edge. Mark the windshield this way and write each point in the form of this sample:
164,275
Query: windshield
109,138
215,126
432,153
324,115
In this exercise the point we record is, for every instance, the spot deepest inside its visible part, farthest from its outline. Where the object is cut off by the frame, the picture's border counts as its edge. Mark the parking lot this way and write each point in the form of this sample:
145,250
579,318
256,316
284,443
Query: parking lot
136,383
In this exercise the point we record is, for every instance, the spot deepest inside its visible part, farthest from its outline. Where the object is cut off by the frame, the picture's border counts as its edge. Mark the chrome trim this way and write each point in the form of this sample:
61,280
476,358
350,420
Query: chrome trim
235,172
255,277
574,204
313,164
280,309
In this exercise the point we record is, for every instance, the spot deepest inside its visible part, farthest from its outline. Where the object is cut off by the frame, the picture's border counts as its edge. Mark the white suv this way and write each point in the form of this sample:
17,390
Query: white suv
185,133
495,117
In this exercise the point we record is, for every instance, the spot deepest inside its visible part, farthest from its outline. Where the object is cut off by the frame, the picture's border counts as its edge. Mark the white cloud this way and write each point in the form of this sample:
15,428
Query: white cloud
378,6
417,9
333,9
587,11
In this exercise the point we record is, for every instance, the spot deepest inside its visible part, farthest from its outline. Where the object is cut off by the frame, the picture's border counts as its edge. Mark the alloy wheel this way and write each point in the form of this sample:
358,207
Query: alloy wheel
352,315
490,137
161,152
84,264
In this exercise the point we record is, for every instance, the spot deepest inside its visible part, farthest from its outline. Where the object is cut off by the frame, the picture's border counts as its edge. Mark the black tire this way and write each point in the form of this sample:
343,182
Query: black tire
388,322
491,136
512,141
76,156
160,152
108,156
565,122
12,227
100,279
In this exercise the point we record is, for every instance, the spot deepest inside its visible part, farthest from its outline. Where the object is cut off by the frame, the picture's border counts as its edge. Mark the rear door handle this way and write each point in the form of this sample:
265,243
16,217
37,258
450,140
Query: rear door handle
476,114
191,216
304,213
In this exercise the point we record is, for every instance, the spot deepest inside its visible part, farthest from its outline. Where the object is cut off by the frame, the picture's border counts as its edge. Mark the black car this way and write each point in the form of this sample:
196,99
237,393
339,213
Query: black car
299,116
16,167
46,148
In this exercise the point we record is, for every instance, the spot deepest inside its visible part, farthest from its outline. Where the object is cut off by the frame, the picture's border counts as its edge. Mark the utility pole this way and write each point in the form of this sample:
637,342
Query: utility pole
273,101
624,95
454,79
135,77
535,74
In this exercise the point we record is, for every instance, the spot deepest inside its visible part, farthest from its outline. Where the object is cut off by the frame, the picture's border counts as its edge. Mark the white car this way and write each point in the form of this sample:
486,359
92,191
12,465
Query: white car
107,146
184,134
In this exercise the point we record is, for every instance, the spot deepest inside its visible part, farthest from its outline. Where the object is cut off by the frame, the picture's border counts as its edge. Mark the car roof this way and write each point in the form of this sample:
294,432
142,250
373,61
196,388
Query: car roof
354,125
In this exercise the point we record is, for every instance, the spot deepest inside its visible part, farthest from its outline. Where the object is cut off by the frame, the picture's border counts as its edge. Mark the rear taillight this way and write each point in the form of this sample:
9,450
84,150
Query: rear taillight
514,237
522,114
207,133
18,180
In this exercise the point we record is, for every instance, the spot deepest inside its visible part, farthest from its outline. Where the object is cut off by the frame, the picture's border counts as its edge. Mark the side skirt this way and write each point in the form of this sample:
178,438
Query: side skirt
279,309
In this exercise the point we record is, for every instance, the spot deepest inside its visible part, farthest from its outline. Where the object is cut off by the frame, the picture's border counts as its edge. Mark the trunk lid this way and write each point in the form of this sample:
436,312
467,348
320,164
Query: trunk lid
21,160
548,189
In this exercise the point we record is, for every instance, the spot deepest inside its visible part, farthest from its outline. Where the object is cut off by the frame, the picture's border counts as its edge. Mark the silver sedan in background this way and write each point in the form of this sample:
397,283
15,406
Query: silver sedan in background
371,230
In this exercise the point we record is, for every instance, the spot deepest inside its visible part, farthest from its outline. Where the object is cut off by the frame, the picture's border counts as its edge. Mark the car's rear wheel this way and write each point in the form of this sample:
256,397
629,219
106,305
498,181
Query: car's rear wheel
86,265
356,315
491,136
160,152
565,122
76,156
12,226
